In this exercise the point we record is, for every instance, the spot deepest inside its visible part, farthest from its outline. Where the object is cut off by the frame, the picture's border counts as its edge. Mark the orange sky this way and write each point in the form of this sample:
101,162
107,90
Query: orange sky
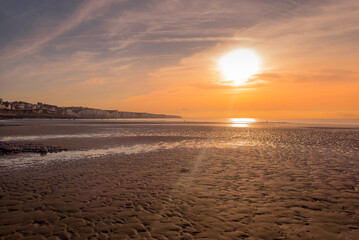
163,57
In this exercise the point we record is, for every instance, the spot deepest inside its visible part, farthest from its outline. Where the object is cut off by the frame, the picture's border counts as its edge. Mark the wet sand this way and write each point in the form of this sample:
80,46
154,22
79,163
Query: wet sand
250,192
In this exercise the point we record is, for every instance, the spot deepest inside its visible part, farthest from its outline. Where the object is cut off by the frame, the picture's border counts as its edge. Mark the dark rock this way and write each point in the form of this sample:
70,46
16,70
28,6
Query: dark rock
9,149
184,170
13,148
43,150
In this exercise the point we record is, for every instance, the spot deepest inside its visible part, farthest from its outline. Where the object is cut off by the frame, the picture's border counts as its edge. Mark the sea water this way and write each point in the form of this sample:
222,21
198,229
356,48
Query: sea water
98,138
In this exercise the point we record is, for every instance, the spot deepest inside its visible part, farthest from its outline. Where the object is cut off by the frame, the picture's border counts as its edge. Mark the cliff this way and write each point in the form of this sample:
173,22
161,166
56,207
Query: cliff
98,113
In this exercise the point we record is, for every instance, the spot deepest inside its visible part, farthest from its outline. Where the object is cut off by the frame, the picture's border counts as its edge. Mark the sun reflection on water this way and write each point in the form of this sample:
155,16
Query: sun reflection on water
241,122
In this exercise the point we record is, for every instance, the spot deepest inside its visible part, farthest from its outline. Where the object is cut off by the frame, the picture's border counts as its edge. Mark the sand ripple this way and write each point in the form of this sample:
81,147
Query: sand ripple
224,184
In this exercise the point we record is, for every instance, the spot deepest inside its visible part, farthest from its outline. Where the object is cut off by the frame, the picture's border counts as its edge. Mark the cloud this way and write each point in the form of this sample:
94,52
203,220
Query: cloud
131,52
84,13
311,27
93,82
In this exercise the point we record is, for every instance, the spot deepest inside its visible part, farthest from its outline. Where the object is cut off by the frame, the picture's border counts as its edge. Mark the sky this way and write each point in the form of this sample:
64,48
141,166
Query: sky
162,56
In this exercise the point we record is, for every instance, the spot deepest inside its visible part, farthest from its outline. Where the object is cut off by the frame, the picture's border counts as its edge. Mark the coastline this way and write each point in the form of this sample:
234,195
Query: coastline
20,109
51,116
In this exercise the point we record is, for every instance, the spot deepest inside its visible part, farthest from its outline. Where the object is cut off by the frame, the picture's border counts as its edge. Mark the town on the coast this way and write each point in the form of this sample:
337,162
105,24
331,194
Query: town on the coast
20,109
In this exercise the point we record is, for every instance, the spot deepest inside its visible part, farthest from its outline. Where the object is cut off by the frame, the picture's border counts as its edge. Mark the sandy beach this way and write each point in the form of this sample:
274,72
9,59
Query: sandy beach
286,186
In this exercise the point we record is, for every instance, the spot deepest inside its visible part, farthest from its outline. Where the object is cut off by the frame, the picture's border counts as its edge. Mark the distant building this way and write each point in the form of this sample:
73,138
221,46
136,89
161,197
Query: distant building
69,112
29,106
39,105
21,106
5,105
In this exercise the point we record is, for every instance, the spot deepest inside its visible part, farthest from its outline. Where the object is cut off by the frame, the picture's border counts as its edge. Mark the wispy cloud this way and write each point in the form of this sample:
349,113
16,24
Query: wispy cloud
84,13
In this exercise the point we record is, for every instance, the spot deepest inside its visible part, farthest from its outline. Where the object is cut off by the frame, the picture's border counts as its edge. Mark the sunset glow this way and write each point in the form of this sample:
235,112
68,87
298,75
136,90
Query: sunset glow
238,66
195,59
241,122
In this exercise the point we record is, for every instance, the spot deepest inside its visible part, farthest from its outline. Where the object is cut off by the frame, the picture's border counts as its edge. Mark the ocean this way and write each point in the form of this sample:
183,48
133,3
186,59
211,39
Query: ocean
95,138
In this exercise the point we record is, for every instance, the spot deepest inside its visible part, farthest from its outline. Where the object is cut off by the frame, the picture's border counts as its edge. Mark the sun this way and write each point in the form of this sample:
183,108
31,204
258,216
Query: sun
238,66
